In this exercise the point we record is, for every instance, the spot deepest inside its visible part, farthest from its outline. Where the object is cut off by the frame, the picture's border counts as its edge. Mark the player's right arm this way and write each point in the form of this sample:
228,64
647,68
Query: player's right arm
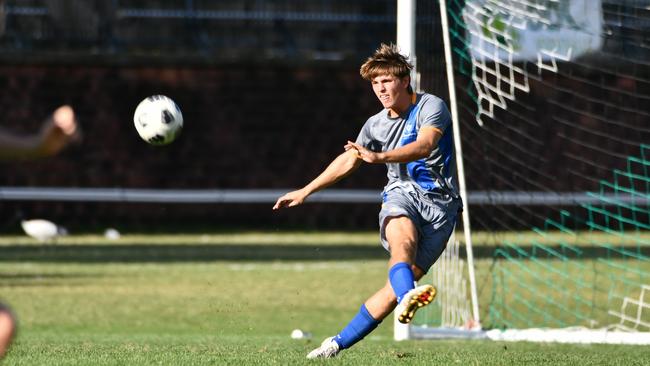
338,169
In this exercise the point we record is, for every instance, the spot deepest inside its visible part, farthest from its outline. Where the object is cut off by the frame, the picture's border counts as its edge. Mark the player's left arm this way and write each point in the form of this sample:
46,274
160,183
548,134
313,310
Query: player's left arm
433,119
427,140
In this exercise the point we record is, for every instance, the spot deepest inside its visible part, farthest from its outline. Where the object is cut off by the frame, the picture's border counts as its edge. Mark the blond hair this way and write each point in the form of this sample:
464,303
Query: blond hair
386,61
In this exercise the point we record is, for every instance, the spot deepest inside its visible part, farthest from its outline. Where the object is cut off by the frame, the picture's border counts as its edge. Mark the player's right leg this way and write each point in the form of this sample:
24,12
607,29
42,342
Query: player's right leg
370,315
328,349
372,312
399,235
360,326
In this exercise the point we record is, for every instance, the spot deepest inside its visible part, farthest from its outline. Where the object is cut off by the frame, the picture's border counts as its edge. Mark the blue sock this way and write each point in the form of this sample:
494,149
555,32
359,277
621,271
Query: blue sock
360,326
401,279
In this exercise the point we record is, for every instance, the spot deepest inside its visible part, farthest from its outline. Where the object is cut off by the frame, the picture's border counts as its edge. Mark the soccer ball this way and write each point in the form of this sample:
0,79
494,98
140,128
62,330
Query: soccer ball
158,120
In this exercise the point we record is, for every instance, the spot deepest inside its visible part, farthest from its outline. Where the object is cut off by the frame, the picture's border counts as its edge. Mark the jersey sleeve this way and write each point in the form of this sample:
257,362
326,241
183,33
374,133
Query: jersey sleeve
367,139
364,138
434,113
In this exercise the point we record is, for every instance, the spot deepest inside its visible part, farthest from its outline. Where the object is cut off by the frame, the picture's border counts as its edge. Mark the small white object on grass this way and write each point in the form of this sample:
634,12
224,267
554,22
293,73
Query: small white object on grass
112,234
42,230
299,334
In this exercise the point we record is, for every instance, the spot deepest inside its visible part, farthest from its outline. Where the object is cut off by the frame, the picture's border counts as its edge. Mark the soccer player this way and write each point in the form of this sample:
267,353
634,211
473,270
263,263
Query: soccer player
413,137
7,328
56,132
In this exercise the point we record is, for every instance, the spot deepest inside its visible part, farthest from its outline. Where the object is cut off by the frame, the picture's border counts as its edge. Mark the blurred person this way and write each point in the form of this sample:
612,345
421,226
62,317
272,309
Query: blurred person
57,131
8,326
412,135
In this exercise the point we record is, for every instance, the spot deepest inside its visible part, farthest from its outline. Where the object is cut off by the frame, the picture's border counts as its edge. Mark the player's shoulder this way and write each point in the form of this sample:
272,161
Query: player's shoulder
431,100
377,117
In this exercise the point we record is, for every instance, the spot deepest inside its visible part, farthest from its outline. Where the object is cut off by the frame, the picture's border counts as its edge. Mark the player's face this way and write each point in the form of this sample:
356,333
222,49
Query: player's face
390,90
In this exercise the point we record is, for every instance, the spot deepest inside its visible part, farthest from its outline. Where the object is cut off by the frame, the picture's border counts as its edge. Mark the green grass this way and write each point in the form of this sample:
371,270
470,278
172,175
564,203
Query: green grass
201,300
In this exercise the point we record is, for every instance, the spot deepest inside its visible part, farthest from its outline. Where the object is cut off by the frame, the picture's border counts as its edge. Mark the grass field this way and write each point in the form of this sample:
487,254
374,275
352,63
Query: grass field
226,299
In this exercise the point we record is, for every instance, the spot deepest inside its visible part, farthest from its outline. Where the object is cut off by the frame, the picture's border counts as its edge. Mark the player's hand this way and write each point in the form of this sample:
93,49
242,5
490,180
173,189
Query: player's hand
366,155
59,130
290,199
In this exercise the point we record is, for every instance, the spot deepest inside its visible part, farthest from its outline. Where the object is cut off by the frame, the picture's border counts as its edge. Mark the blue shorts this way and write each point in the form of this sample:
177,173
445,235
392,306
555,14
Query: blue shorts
434,217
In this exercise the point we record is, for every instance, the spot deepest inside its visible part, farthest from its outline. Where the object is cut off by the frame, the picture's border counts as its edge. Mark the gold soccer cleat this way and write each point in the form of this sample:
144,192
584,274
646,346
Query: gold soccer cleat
413,300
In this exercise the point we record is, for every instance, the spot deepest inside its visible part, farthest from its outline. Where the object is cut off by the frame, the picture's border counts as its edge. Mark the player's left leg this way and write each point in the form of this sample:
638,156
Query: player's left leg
401,235
384,301
439,221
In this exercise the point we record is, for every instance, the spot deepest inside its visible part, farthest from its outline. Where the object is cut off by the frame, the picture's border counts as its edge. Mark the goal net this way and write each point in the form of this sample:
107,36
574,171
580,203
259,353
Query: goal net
552,100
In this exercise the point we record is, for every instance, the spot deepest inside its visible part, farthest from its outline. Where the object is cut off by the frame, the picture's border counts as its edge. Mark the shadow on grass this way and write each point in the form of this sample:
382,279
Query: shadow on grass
152,253
185,253
45,279
43,276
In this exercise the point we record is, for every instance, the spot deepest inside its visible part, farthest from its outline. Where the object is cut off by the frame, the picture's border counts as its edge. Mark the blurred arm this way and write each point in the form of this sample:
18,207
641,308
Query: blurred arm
57,131
14,146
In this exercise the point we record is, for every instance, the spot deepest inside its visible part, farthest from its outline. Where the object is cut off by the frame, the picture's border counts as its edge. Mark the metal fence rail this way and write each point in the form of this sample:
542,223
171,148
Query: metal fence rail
330,195
190,13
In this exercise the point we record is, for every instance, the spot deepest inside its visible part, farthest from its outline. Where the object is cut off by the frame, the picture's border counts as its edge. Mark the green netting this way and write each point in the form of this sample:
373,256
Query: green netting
546,120
603,280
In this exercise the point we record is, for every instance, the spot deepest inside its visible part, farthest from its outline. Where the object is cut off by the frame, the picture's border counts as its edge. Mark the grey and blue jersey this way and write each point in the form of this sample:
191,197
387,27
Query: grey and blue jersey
433,174
424,190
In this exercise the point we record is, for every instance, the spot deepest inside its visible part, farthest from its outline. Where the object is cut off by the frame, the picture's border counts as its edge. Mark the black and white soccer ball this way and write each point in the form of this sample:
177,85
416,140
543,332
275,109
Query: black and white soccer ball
158,120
